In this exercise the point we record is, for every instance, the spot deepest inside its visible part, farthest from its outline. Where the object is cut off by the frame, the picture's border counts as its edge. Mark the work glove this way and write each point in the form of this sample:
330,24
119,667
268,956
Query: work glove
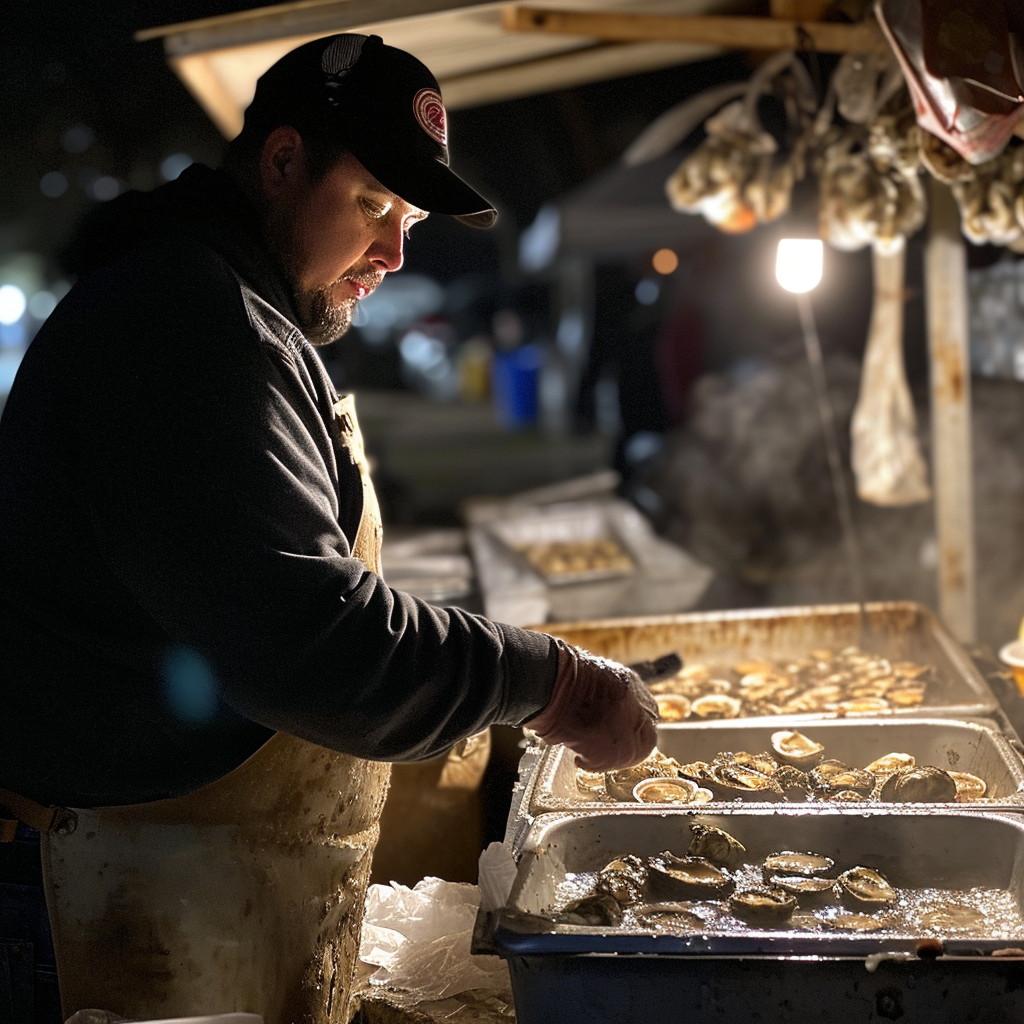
600,709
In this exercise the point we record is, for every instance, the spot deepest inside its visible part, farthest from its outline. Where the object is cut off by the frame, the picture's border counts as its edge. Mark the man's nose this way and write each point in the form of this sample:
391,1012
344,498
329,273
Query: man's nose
387,251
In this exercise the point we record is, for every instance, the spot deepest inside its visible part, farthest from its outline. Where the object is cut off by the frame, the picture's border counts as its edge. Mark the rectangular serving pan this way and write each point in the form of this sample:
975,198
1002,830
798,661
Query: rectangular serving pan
975,747
568,973
898,630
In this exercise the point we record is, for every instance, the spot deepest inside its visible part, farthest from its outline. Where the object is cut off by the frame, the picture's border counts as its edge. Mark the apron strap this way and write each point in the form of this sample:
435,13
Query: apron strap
15,808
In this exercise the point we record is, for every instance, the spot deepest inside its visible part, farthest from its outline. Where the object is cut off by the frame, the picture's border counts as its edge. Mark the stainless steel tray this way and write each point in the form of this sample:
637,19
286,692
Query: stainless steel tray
976,747
916,850
899,630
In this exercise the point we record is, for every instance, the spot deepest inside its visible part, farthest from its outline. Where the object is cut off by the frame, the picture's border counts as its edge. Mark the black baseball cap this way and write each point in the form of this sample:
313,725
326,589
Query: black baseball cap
383,105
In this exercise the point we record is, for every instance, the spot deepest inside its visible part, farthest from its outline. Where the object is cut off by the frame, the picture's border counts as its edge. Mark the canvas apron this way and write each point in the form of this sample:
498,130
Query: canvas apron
245,895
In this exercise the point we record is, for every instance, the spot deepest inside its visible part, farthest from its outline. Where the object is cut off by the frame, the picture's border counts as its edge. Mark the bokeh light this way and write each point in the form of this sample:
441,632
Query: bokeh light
173,165
665,261
53,184
12,304
647,292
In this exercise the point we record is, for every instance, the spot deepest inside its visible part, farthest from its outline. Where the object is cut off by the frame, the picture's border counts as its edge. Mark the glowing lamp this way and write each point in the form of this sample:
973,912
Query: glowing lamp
798,264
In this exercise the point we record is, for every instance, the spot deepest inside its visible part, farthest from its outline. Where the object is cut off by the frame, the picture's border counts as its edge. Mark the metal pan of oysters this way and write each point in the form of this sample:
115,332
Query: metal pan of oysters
813,662
848,762
760,882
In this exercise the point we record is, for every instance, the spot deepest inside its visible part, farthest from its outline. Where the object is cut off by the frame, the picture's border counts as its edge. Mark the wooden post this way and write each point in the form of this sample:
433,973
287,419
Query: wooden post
948,343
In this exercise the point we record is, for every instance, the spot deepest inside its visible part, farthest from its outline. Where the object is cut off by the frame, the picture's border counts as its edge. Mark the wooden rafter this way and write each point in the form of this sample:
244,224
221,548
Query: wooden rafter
737,33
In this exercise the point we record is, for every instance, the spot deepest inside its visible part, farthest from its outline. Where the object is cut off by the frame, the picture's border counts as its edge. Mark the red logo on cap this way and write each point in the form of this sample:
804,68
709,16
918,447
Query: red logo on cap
430,113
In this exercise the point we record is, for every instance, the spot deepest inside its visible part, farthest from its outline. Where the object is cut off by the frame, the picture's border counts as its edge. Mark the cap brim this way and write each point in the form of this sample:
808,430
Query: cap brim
431,186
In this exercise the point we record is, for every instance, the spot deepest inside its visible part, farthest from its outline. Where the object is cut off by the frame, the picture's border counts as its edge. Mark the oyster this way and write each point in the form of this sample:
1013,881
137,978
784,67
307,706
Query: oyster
686,878
673,707
716,705
952,917
794,783
597,909
920,784
763,905
832,776
847,796
670,917
809,892
665,791
731,780
968,787
623,879
591,783
889,763
863,888
699,771
621,782
763,763
789,862
796,749
862,706
715,845
856,922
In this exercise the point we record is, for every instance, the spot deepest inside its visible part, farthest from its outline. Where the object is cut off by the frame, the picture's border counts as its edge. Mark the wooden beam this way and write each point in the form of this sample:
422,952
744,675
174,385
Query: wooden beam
946,298
730,32
800,10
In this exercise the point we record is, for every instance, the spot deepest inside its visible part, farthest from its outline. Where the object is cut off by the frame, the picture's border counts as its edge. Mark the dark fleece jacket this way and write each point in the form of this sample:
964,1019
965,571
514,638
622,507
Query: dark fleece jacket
176,515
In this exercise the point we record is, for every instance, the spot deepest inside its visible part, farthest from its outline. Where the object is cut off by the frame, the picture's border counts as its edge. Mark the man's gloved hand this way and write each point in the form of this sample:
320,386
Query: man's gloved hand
600,709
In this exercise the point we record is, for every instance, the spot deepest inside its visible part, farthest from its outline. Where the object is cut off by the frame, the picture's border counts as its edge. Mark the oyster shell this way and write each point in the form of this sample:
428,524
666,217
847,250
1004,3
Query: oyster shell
847,796
856,922
863,888
670,917
763,763
889,763
591,783
716,705
621,782
794,783
699,771
596,909
953,917
731,780
920,784
968,787
763,905
715,845
665,791
623,879
686,878
673,707
831,776
796,749
809,892
789,862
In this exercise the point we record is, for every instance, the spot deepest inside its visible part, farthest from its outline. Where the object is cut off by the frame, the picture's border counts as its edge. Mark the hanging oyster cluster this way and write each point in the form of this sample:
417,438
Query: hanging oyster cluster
868,165
739,177
990,195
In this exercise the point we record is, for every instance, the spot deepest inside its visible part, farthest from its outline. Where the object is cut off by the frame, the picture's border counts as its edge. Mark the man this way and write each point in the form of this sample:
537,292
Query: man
200,654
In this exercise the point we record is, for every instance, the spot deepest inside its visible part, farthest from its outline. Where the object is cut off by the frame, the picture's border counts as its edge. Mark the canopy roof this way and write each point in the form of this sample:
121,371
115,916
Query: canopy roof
475,60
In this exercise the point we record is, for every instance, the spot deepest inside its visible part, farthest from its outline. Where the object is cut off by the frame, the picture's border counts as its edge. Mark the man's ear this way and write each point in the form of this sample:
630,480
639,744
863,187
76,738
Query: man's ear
282,161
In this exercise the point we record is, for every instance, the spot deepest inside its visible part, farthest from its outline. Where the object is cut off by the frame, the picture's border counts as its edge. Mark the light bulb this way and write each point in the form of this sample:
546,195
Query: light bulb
798,263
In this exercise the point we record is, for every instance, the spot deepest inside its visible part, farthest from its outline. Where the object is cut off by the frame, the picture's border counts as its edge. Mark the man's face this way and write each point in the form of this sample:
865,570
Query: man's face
337,239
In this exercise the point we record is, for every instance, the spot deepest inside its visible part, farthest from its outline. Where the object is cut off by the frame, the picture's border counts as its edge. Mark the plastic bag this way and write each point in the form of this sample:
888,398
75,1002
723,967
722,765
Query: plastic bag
964,65
420,938
887,461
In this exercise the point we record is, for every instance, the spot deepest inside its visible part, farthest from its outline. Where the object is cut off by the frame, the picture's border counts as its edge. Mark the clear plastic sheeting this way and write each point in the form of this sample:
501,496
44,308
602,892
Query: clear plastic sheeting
887,460
419,939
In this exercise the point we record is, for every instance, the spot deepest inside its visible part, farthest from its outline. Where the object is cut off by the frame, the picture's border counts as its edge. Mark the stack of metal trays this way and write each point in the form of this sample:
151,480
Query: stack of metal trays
949,945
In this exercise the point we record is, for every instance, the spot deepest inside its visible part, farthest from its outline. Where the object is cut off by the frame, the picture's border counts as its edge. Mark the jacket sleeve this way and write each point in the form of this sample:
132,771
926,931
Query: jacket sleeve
209,484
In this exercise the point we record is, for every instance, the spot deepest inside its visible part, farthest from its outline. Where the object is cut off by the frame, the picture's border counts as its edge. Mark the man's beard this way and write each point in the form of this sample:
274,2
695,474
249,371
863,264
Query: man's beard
321,320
